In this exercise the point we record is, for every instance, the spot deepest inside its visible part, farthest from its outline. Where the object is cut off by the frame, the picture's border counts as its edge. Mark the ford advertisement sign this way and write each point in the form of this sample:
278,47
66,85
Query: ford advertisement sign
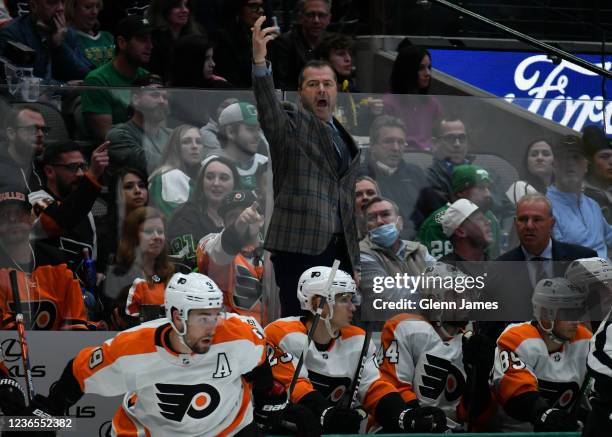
565,93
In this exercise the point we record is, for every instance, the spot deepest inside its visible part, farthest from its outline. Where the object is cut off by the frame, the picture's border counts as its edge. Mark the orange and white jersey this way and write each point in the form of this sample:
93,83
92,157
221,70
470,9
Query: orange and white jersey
420,365
51,299
175,394
523,364
143,293
237,277
328,371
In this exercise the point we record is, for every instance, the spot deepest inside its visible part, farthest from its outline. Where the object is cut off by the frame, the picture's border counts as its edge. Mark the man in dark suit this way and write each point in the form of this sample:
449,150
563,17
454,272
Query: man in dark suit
314,163
537,257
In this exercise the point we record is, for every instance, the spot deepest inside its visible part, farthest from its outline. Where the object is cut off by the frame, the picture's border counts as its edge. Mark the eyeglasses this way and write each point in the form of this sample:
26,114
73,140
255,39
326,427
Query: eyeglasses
255,7
74,167
453,138
34,128
319,15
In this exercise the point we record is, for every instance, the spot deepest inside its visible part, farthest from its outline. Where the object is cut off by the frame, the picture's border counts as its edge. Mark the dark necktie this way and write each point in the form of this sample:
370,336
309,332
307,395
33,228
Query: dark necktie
540,271
343,154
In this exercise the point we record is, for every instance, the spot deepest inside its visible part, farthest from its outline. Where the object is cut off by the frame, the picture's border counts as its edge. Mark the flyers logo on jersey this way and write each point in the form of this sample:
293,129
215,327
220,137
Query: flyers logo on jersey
197,401
441,375
38,314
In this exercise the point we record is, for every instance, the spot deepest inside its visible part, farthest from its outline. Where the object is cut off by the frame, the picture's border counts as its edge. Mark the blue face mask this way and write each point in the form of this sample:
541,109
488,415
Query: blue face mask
384,235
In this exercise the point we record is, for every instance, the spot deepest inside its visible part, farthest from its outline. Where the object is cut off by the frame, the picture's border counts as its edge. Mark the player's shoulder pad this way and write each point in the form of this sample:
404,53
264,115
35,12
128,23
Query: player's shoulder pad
137,340
279,329
351,331
234,328
516,334
582,333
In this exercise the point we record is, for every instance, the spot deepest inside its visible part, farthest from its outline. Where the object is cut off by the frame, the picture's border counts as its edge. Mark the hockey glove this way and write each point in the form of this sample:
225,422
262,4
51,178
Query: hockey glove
338,420
40,407
300,421
555,420
423,419
12,397
269,407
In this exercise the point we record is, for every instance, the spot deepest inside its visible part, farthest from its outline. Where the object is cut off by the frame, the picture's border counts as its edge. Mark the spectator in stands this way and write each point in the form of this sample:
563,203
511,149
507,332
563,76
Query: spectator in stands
598,183
233,42
193,67
142,263
411,74
234,257
72,186
56,302
59,56
578,218
384,253
450,148
98,45
210,130
240,135
366,189
127,191
469,231
537,172
20,160
103,108
171,184
292,50
193,64
141,141
337,49
171,20
469,182
199,216
398,180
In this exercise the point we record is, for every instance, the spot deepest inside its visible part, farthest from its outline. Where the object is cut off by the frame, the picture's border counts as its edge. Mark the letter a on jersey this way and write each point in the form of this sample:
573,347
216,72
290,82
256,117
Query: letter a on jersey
223,367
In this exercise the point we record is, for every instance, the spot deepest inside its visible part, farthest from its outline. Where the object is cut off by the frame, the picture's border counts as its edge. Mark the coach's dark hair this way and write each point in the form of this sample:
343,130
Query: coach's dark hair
315,63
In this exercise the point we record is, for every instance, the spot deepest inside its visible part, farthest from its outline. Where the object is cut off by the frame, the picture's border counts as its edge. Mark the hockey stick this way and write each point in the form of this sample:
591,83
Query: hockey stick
311,331
350,398
25,355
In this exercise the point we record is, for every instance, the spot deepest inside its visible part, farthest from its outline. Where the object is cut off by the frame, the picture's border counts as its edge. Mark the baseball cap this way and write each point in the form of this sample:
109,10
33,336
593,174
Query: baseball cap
568,144
13,194
241,112
456,214
131,26
468,175
236,199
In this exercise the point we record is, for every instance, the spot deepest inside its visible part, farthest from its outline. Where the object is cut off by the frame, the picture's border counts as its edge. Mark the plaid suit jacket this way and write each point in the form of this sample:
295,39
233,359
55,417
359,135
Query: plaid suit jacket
307,187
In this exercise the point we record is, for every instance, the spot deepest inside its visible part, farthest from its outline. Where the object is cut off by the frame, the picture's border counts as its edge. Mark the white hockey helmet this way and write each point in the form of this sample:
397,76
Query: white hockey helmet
313,282
190,292
554,294
445,283
585,272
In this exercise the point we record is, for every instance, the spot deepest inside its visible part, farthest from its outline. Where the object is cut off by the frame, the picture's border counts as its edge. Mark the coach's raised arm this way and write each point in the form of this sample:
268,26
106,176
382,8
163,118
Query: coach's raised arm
315,163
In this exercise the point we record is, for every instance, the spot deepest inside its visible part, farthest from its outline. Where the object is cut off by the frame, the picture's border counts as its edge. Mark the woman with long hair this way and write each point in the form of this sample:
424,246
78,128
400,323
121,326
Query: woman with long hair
536,173
199,216
193,67
411,75
127,191
170,184
171,19
142,262
98,45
